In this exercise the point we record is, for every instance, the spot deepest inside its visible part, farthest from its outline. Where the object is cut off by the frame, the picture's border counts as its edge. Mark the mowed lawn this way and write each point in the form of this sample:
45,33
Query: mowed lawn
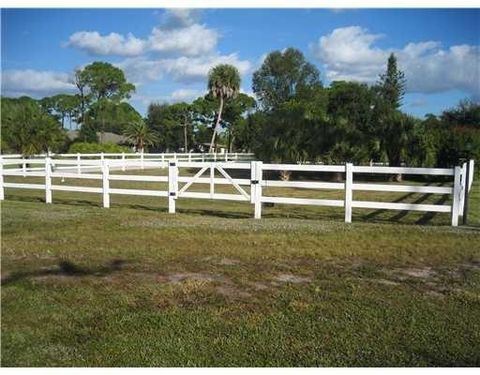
210,286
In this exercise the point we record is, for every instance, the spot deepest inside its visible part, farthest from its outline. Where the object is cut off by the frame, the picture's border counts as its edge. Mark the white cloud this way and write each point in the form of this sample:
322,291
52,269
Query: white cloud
35,83
350,53
182,69
178,34
186,95
193,40
180,17
111,44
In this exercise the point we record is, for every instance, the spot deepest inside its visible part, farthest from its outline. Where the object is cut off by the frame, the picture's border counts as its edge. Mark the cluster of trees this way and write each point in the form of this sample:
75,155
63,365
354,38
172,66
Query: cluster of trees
300,120
295,117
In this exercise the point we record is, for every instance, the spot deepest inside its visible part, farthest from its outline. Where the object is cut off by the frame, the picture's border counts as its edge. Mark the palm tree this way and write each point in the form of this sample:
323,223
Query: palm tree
224,83
140,135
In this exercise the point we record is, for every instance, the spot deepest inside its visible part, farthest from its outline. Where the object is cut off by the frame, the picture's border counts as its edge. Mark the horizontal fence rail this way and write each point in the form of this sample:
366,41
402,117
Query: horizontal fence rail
177,185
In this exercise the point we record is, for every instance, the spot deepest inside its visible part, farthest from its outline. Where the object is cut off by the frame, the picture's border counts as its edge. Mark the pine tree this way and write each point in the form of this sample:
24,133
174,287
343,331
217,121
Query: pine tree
393,83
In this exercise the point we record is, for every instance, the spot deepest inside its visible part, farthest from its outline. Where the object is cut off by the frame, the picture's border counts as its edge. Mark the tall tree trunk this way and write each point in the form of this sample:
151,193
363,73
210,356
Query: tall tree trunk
232,137
217,124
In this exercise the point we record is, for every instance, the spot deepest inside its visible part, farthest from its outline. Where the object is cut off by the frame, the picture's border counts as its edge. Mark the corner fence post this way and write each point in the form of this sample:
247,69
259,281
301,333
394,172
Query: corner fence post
348,192
172,185
466,192
106,183
48,180
2,191
471,166
456,196
256,173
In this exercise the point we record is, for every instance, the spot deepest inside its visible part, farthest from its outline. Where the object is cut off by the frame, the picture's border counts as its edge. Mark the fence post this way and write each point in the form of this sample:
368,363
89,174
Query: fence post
256,187
24,168
172,185
463,185
79,170
102,157
48,180
466,193
142,165
2,192
348,192
123,161
215,156
190,156
456,195
212,180
226,156
203,158
106,183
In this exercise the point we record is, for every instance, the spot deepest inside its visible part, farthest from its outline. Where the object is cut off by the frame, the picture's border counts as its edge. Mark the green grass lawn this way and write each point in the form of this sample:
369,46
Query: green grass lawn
209,286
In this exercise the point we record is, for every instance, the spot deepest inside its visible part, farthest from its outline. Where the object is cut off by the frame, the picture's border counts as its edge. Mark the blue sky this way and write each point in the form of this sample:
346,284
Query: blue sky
167,53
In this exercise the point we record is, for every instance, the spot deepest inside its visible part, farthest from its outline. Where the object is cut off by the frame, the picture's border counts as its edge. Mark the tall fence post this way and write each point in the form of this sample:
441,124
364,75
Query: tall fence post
172,185
123,161
456,195
348,192
79,169
466,194
2,191
256,177
106,183
463,186
48,180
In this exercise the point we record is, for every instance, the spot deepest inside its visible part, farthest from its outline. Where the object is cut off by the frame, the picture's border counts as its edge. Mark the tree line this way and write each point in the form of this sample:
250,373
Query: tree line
293,118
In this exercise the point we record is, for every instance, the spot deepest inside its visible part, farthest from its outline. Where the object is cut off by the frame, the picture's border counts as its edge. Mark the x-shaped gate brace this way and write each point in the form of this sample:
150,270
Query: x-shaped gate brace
222,172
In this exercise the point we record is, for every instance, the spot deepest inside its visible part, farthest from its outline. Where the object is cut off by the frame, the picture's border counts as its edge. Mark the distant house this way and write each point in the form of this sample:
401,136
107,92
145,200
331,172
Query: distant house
102,138
204,147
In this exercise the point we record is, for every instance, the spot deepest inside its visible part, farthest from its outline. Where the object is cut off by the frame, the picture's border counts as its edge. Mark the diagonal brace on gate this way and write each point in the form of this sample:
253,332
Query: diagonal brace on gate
237,186
192,181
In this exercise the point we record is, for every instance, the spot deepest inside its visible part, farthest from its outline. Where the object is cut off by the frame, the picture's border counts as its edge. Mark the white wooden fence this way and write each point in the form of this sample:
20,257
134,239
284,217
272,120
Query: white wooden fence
125,157
104,169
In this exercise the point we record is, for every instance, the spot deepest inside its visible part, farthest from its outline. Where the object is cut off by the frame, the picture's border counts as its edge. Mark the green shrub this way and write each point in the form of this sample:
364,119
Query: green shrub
93,148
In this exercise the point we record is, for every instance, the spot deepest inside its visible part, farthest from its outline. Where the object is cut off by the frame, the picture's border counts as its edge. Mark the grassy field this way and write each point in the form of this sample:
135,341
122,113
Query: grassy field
209,286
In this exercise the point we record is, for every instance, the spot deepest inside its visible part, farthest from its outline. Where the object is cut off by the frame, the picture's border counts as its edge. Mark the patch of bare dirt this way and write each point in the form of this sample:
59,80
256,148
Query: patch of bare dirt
258,285
232,292
290,278
176,278
222,261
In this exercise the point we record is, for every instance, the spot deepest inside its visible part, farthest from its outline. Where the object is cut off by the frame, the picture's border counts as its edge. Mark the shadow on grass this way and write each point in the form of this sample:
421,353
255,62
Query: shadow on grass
428,216
66,268
401,199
